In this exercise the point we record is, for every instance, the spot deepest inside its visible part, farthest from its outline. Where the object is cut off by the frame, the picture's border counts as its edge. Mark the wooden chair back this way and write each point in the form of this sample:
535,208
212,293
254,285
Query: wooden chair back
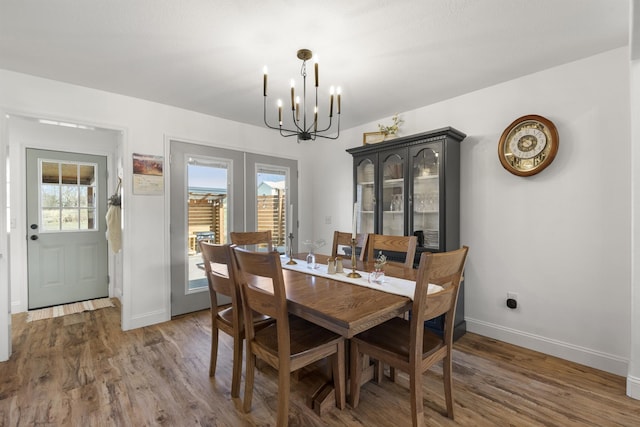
444,269
383,242
259,268
253,239
344,239
216,260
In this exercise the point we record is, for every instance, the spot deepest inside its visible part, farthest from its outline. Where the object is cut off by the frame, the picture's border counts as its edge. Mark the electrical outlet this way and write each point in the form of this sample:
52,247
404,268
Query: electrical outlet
512,300
327,219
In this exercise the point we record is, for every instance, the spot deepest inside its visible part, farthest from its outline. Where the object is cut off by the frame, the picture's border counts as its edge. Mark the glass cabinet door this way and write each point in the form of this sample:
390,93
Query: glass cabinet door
366,195
426,198
393,197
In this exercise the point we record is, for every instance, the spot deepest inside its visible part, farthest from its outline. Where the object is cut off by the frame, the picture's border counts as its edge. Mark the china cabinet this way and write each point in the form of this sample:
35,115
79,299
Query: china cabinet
411,185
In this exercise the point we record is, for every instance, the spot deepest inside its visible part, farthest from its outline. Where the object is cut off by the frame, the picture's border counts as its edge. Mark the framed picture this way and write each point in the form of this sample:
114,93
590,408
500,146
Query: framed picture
372,137
148,174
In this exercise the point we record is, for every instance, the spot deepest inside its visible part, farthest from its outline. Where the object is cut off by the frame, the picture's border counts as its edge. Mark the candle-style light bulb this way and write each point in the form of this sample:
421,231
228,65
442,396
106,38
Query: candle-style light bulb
339,91
315,67
331,92
264,81
293,88
297,108
280,111
315,118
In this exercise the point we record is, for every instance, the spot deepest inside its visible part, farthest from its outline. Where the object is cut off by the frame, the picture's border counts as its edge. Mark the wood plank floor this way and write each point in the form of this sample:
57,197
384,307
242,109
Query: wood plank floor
82,370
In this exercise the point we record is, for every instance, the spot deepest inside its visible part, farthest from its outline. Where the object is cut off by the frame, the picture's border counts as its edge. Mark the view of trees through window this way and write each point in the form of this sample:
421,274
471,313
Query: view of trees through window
67,196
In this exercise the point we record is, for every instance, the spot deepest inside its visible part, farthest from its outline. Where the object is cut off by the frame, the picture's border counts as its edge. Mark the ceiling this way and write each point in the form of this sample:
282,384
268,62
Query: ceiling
386,55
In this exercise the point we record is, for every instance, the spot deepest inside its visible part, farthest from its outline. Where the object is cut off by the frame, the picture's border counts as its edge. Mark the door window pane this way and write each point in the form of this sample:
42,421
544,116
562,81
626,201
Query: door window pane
67,196
207,211
272,208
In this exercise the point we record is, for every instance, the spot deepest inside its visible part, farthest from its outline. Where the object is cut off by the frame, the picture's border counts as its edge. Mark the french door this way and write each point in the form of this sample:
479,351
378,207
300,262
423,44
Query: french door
206,186
209,199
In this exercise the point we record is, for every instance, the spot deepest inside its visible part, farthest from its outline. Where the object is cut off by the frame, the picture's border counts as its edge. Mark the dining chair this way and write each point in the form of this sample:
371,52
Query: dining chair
407,345
230,320
341,239
289,344
252,239
383,242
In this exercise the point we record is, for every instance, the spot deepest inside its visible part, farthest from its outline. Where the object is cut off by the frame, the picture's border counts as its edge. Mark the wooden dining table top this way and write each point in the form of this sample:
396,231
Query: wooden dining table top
341,307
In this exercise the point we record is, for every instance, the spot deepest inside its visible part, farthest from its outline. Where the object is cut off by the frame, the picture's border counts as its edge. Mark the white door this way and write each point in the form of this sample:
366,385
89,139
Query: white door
66,243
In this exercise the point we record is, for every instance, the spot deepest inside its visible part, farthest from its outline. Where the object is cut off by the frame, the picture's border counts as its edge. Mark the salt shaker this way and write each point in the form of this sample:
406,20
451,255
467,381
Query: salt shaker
331,266
339,268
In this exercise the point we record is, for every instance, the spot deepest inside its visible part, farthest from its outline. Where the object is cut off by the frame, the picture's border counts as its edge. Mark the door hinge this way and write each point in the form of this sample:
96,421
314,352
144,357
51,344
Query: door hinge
108,279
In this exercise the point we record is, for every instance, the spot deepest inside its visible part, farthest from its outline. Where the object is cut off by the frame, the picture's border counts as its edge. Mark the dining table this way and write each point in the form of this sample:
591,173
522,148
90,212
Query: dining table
345,308
342,307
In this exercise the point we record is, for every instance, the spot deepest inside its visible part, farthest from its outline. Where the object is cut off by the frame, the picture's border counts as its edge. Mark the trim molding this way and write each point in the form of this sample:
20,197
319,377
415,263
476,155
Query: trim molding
585,356
633,387
148,319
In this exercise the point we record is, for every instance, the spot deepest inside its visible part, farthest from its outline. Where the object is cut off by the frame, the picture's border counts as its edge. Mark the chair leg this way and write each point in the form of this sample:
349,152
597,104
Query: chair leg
214,350
356,373
448,384
339,374
284,385
237,366
415,390
379,371
248,383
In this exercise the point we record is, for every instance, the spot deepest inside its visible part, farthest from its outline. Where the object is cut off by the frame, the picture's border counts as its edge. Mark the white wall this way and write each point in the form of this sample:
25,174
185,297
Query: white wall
633,376
145,260
560,239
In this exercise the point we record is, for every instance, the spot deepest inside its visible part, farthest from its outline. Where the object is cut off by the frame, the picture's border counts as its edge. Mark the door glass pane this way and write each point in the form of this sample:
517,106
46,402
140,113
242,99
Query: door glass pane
66,188
426,197
69,173
50,219
393,196
365,196
207,212
273,211
70,219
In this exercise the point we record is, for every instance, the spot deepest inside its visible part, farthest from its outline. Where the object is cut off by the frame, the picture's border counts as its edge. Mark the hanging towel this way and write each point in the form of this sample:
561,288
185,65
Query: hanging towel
114,232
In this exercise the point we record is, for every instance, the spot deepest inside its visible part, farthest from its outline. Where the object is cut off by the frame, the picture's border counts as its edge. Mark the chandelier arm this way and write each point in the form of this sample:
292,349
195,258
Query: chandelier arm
295,123
324,130
280,128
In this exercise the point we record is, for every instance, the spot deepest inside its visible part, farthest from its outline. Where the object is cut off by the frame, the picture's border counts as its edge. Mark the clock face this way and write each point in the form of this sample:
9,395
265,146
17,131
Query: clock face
528,145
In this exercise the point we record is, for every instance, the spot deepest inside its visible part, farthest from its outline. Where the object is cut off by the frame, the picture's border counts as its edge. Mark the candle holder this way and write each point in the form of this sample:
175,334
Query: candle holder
354,274
290,250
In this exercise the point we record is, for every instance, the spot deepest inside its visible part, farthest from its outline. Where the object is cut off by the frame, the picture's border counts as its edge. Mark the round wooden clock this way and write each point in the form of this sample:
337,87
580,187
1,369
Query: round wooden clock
528,145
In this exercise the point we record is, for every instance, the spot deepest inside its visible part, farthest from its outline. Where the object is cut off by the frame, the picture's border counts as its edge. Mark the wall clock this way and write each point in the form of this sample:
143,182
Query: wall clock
528,145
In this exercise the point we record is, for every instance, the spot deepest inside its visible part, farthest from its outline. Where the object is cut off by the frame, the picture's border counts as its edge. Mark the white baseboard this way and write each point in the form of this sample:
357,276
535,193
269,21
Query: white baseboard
146,319
16,307
596,359
633,387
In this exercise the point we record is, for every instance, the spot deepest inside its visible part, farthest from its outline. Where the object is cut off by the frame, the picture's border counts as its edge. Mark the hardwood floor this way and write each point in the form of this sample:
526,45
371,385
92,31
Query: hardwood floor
82,370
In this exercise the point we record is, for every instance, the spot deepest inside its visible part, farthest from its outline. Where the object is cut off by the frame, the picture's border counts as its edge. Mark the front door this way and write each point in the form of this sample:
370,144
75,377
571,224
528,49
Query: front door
66,246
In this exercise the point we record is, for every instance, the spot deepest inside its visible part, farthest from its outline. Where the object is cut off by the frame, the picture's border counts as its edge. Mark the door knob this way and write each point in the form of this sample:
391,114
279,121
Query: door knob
34,237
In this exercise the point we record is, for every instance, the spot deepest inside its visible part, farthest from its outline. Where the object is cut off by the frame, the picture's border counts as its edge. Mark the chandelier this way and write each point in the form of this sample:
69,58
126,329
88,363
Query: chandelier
302,128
